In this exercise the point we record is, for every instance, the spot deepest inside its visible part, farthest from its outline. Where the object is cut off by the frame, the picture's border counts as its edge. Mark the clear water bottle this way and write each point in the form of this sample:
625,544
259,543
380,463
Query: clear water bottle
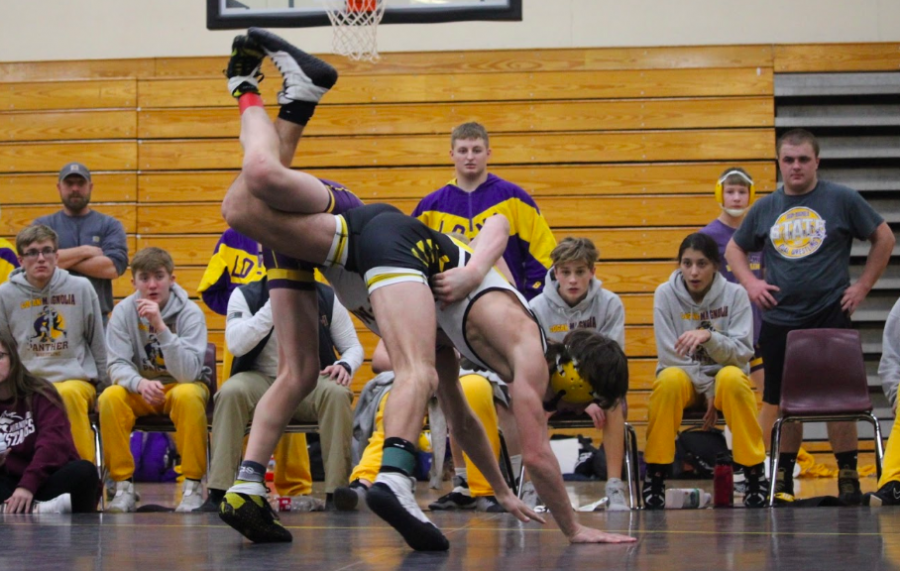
687,498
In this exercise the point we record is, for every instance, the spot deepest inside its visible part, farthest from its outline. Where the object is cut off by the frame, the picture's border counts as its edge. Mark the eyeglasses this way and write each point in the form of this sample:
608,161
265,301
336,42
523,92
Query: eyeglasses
46,252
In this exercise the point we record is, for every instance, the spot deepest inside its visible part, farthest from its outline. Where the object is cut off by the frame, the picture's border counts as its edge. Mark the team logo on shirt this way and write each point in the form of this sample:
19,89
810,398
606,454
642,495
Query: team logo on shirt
49,331
798,233
14,429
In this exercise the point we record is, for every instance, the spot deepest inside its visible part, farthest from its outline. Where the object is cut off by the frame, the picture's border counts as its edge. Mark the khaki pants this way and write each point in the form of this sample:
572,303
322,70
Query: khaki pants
329,404
185,404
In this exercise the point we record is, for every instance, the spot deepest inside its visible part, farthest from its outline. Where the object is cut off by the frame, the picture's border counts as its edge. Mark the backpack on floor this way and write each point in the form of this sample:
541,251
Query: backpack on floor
155,457
695,452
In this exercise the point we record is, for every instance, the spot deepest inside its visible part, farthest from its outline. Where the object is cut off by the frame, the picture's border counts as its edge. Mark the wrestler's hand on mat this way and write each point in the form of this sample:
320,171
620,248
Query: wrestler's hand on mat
518,508
590,535
454,284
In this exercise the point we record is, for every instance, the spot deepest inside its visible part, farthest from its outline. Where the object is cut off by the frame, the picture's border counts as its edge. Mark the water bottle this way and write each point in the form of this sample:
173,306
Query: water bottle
723,482
687,498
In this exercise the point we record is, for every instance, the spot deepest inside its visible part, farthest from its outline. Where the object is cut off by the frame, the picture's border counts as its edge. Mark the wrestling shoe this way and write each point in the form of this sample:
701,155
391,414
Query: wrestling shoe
756,487
654,490
392,498
489,504
243,67
615,492
347,498
887,495
306,77
784,489
848,487
246,510
460,498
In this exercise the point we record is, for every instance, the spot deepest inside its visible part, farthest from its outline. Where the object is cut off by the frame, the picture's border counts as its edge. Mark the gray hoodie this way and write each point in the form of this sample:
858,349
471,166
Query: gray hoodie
889,367
725,311
59,329
601,310
136,351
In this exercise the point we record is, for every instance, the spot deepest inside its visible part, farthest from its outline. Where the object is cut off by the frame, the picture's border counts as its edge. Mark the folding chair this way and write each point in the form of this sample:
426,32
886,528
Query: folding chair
632,466
160,423
824,380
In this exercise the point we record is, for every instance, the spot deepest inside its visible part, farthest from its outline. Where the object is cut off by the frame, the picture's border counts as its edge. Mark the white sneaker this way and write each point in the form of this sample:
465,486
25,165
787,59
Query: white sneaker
192,497
615,491
124,501
59,505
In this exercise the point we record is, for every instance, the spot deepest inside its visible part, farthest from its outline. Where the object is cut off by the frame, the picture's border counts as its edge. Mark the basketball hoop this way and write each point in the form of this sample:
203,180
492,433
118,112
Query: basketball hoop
355,24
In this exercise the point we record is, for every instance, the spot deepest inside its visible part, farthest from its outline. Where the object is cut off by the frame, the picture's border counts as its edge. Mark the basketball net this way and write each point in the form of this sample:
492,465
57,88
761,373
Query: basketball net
355,24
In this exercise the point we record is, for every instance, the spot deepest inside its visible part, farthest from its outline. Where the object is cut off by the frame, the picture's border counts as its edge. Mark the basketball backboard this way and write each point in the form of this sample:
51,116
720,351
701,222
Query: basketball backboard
235,14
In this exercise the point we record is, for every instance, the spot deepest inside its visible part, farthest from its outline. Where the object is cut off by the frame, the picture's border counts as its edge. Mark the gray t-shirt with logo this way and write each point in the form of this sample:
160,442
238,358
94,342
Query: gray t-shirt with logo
806,242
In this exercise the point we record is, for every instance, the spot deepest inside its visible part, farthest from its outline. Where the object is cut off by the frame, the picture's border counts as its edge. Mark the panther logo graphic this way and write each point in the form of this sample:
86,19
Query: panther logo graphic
49,326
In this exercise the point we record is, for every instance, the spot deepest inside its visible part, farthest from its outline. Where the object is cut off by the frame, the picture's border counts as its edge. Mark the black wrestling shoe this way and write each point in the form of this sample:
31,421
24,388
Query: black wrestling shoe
246,509
887,495
243,67
848,487
756,492
306,77
392,498
653,491
347,498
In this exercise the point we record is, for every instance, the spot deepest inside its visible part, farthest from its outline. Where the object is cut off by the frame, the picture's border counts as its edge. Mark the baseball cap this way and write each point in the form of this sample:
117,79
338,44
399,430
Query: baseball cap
75,168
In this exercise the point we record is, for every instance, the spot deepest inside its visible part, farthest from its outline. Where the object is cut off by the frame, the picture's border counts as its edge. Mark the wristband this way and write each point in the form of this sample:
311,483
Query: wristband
345,366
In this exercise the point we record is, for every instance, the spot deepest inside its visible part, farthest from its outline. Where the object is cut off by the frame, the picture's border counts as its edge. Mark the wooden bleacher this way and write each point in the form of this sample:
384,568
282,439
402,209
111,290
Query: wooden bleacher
622,145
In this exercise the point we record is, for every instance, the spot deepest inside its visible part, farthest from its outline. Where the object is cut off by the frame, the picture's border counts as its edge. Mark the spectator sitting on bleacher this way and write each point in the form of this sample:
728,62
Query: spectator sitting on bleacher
704,342
463,204
251,338
805,229
157,345
888,493
91,244
56,321
574,299
39,467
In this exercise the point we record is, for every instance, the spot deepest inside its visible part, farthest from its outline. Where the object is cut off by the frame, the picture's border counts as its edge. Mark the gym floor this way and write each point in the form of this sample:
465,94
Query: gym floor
784,538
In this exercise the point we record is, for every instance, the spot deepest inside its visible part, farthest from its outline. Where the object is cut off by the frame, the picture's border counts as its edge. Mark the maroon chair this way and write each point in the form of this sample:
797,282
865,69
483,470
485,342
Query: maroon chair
824,380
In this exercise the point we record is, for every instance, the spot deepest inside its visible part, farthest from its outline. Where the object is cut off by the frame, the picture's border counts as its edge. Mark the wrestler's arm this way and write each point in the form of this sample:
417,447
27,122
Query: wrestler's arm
488,247
471,436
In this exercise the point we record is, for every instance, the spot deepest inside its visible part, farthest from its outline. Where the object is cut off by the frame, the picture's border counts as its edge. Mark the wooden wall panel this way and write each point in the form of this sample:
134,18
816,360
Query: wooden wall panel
68,125
50,157
380,184
502,61
837,57
56,94
186,250
14,218
700,145
571,116
457,88
41,188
